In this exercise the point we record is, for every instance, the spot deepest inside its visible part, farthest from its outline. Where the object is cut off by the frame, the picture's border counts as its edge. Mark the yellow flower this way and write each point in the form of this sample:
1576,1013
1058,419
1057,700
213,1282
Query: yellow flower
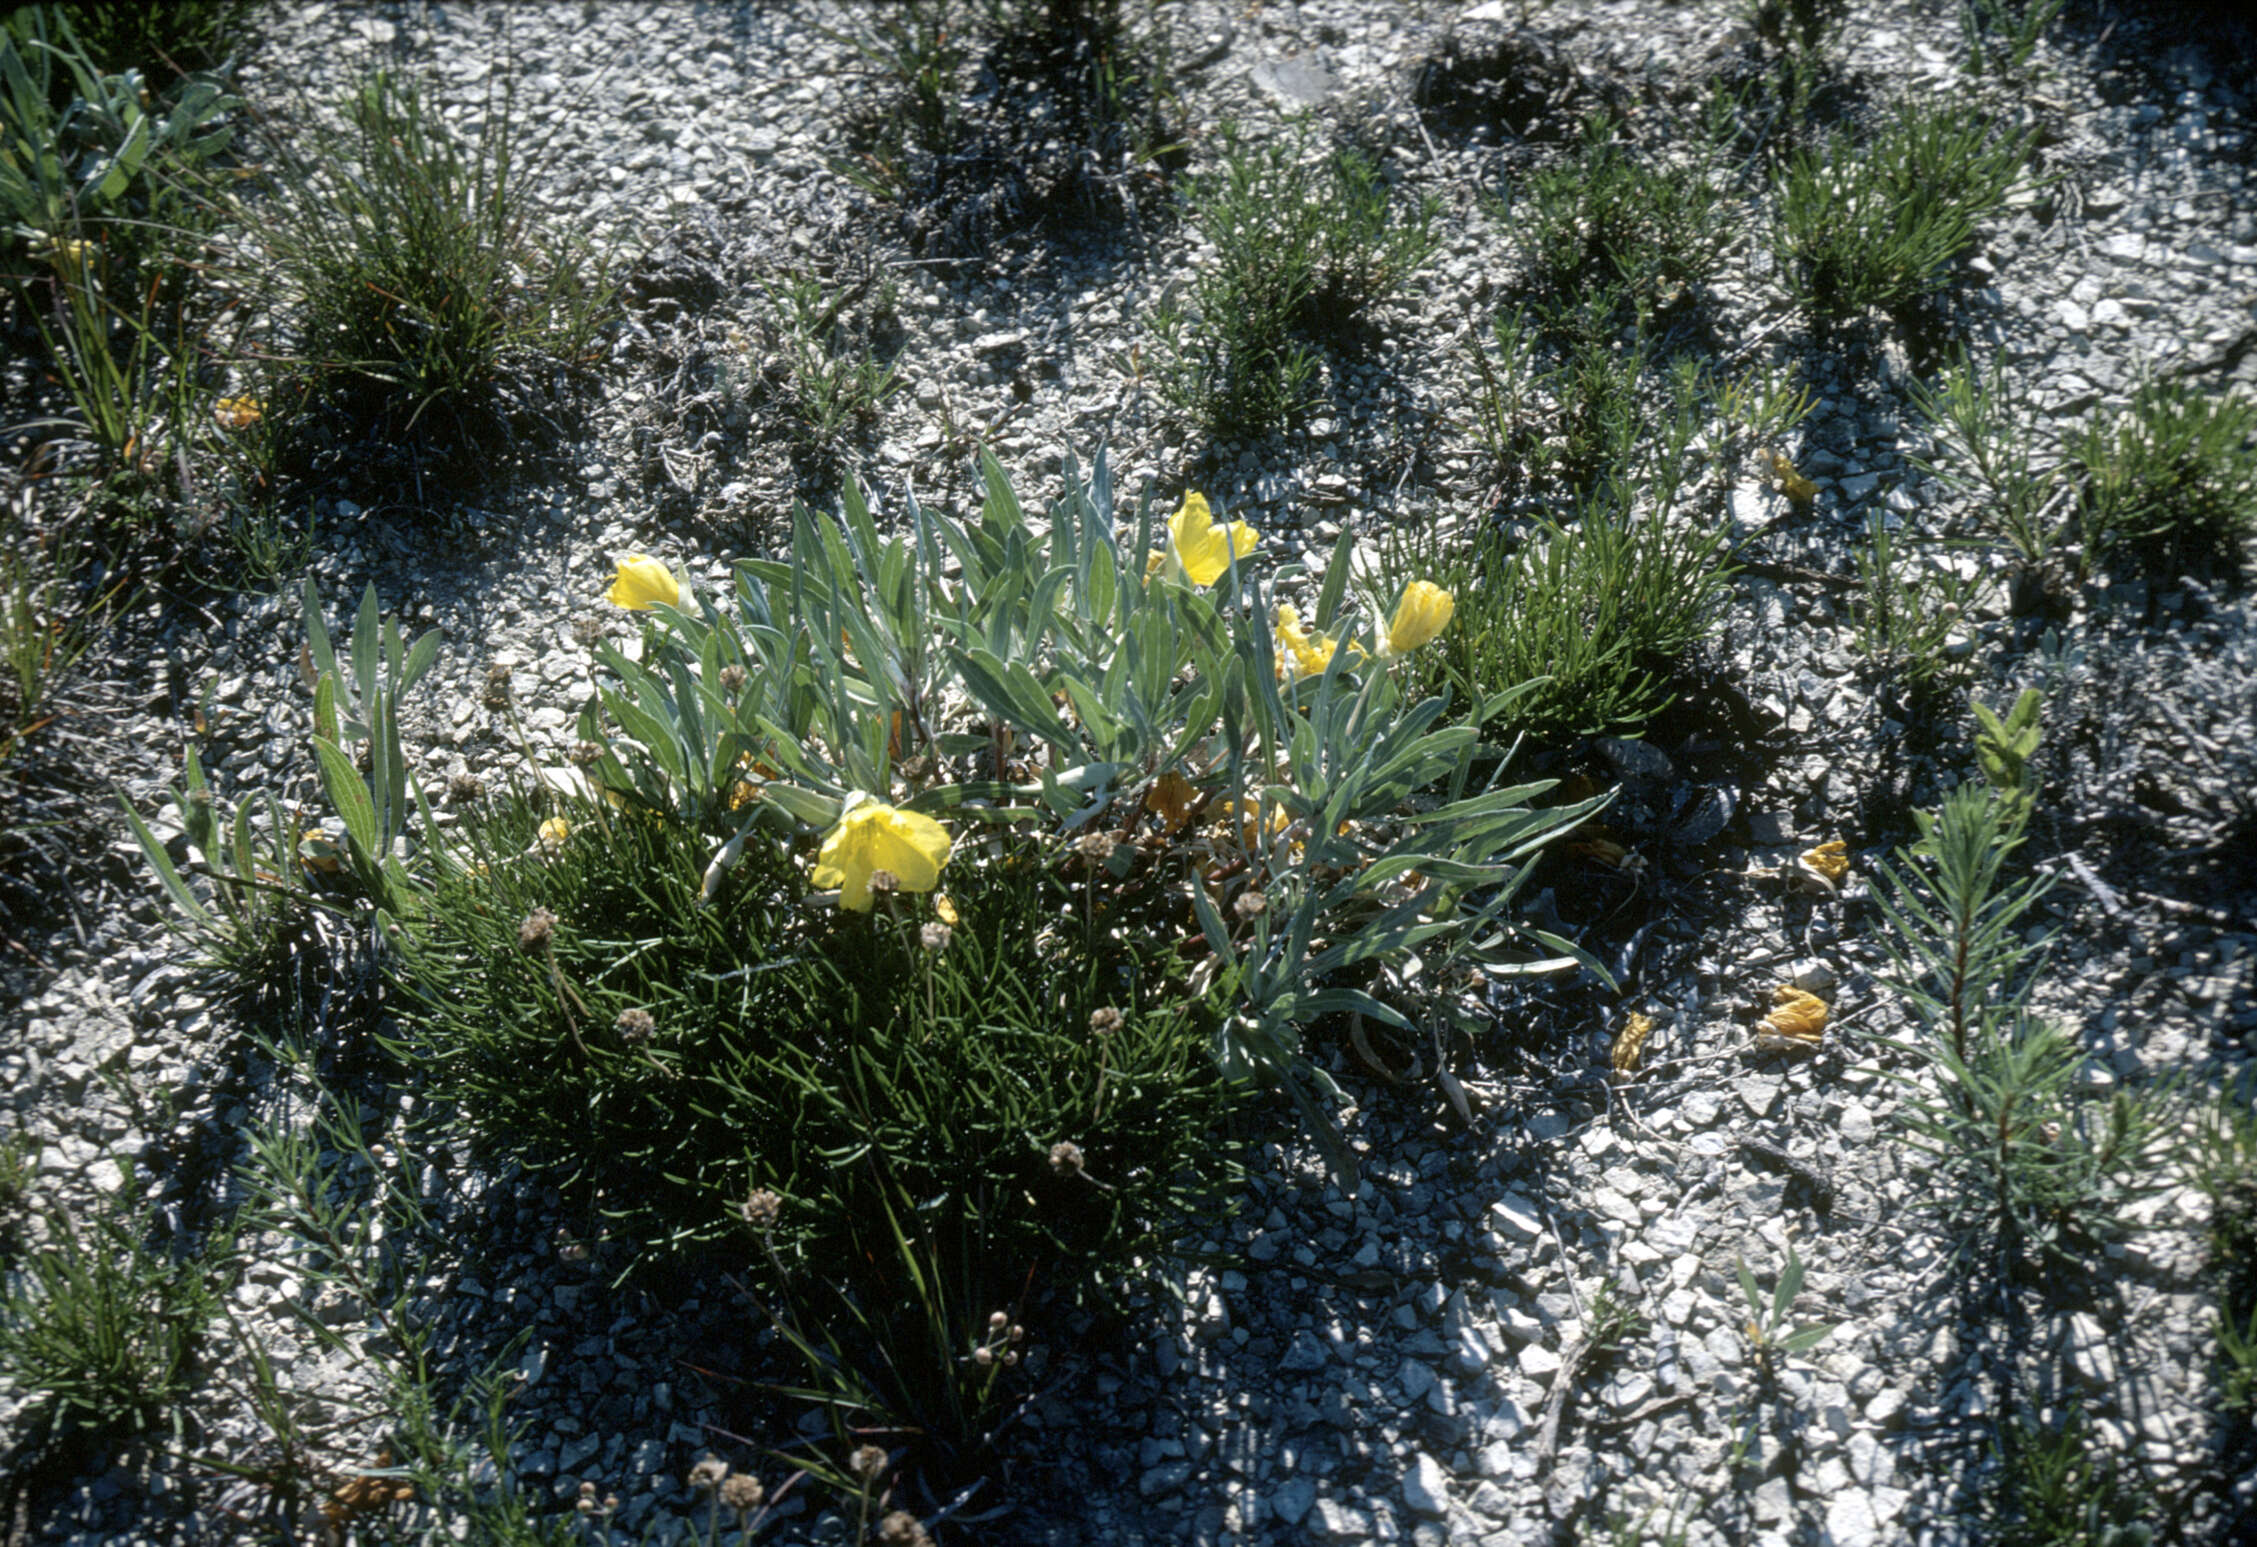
1201,549
1629,1045
642,583
1826,867
870,837
1423,613
1790,482
946,909
238,413
554,832
1301,654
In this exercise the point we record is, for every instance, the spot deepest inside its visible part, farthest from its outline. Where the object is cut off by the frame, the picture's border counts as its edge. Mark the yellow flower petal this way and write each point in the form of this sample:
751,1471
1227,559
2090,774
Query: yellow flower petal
1423,613
554,832
1630,1044
643,583
1828,864
1301,654
873,837
1202,549
1791,483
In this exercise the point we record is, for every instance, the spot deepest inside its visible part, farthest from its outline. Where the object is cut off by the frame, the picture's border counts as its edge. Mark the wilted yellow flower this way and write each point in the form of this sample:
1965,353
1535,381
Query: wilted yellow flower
554,832
1828,864
870,838
643,583
1796,1023
1300,653
318,851
946,910
1200,548
1249,825
742,794
1791,483
1170,799
1630,1044
1423,613
238,413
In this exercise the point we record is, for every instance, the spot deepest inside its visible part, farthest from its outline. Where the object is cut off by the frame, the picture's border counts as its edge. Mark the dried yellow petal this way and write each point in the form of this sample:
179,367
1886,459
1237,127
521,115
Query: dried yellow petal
1170,799
1797,1022
1826,866
1630,1044
1791,483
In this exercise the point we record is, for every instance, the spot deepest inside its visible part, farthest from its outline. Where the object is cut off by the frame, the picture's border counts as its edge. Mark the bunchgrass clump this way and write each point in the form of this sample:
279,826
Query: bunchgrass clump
2170,481
1306,244
1987,446
428,290
1878,226
101,1328
1593,613
1613,217
159,38
835,379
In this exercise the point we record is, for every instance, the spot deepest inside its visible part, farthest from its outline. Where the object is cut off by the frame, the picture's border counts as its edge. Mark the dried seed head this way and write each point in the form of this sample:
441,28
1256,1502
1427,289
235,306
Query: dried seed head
762,1209
884,881
935,937
634,1026
1250,903
732,678
1097,848
868,1463
901,1529
497,685
741,1491
537,929
1065,1158
707,1474
588,628
586,752
1105,1021
465,787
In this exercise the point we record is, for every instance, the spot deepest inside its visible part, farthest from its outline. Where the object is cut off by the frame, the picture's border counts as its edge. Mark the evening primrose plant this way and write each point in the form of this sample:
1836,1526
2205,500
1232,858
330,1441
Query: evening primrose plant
1282,808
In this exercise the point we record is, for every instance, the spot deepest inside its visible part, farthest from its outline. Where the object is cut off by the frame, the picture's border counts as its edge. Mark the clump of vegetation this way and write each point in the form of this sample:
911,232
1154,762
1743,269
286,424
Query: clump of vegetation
429,293
1648,231
2039,1165
1305,246
1592,614
995,116
1910,613
2170,481
101,1327
1878,226
736,982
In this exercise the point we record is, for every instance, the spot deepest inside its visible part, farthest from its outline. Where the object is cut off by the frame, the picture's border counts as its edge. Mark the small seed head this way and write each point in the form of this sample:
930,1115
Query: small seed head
935,936
634,1026
1065,1158
884,881
762,1209
732,678
588,628
707,1474
464,788
983,1357
901,1529
1105,1021
538,928
741,1491
586,752
868,1462
1250,904
497,685
1097,848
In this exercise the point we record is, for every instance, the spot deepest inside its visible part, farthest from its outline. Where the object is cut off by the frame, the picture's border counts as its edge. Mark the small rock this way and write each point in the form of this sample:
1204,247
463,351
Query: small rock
1164,1479
1291,1499
1426,1487
1305,1356
1856,1125
1516,1217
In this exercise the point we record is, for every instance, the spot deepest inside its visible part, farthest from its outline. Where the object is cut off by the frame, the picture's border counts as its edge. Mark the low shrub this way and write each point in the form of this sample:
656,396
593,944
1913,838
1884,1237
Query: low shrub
100,1328
695,973
2037,1164
2170,481
1592,615
1651,231
1305,244
1878,226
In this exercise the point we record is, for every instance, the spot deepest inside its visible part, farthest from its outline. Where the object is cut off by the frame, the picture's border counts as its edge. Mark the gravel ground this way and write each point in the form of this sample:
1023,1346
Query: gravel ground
1374,1367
